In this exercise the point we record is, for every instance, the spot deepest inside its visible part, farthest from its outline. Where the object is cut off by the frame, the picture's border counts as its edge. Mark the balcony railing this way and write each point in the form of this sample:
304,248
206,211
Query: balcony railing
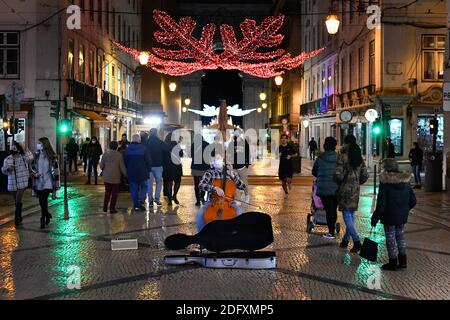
320,106
335,102
355,97
86,94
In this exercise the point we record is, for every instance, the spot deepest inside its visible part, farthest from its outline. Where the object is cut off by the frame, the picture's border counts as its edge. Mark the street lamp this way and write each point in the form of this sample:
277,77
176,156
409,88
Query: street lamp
5,124
172,86
332,22
153,121
187,101
259,110
184,109
278,80
262,96
264,105
306,123
144,57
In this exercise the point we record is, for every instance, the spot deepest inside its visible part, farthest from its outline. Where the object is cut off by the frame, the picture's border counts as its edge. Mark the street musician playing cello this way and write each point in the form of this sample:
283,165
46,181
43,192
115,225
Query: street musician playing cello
221,183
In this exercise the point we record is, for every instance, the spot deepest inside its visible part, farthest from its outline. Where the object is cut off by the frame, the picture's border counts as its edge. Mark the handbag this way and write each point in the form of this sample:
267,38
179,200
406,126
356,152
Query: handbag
369,249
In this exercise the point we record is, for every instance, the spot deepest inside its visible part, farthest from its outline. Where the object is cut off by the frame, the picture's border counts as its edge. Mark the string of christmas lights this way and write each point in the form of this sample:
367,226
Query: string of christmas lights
196,55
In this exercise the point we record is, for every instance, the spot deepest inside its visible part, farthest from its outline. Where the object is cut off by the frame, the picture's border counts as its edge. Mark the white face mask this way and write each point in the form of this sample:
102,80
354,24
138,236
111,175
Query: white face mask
39,147
217,164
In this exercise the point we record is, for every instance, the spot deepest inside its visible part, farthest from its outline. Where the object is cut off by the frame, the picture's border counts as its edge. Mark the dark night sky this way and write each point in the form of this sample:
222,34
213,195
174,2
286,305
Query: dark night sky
222,84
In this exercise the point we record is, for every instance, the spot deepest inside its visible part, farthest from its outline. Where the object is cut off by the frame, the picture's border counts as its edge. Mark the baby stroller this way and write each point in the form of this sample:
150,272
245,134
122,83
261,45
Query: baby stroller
318,215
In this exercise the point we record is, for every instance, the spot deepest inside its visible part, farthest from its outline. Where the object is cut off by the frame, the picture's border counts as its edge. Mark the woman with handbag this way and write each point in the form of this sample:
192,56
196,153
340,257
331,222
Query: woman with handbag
349,174
46,176
16,167
395,199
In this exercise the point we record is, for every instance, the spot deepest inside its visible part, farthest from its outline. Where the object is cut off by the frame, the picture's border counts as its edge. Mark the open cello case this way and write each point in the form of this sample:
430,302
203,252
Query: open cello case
247,233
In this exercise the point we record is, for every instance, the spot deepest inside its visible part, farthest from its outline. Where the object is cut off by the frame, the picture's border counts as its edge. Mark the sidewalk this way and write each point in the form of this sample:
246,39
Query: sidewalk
36,262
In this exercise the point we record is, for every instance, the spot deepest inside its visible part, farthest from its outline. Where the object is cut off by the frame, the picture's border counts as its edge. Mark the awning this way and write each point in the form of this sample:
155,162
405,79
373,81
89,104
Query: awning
91,115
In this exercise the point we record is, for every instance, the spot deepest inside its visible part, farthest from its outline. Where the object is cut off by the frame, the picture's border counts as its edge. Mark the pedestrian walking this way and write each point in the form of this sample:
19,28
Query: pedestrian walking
390,149
200,164
138,163
239,152
72,150
416,159
93,151
17,167
83,154
156,147
312,149
323,170
46,177
285,169
395,200
172,169
350,173
113,168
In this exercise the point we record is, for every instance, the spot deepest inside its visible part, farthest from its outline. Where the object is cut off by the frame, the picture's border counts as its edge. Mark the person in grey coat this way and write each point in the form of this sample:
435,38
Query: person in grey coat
395,199
113,168
46,176
323,170
350,173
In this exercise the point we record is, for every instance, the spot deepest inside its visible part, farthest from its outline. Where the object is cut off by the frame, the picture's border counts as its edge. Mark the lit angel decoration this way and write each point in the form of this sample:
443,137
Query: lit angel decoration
212,111
195,55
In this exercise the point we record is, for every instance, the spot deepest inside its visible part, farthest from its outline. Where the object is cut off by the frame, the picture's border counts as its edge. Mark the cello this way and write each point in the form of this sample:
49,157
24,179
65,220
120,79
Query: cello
221,206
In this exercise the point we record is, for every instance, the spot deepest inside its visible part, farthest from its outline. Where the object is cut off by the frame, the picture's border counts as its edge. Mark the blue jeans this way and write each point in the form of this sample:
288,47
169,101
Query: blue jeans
350,230
157,174
138,191
201,222
416,172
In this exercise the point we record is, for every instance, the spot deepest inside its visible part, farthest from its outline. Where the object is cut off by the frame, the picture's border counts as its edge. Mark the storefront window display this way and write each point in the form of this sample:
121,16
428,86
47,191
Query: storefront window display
424,137
395,132
81,130
359,132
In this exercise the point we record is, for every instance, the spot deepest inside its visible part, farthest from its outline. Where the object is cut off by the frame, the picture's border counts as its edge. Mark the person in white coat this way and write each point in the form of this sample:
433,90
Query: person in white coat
16,167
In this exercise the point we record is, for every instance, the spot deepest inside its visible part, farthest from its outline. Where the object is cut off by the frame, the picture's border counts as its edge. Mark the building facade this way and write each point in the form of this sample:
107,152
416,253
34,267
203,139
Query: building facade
447,111
395,68
284,108
72,73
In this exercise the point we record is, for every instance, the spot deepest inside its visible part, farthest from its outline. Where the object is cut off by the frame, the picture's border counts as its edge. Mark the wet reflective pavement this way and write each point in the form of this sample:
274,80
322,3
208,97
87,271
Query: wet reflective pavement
35,264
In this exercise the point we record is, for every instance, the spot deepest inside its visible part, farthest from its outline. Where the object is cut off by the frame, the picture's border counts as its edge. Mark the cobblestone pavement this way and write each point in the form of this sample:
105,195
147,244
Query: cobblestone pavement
34,263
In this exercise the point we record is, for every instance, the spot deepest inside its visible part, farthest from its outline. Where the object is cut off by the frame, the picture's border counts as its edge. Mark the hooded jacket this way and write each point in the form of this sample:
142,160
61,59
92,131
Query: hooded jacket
348,180
323,170
395,199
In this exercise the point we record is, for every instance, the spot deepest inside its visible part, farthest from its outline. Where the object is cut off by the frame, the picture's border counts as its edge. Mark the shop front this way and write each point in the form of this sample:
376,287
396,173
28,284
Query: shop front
81,129
20,133
424,137
92,124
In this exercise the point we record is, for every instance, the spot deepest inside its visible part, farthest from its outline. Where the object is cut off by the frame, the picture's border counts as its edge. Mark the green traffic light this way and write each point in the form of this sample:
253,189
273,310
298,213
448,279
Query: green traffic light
376,130
64,128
